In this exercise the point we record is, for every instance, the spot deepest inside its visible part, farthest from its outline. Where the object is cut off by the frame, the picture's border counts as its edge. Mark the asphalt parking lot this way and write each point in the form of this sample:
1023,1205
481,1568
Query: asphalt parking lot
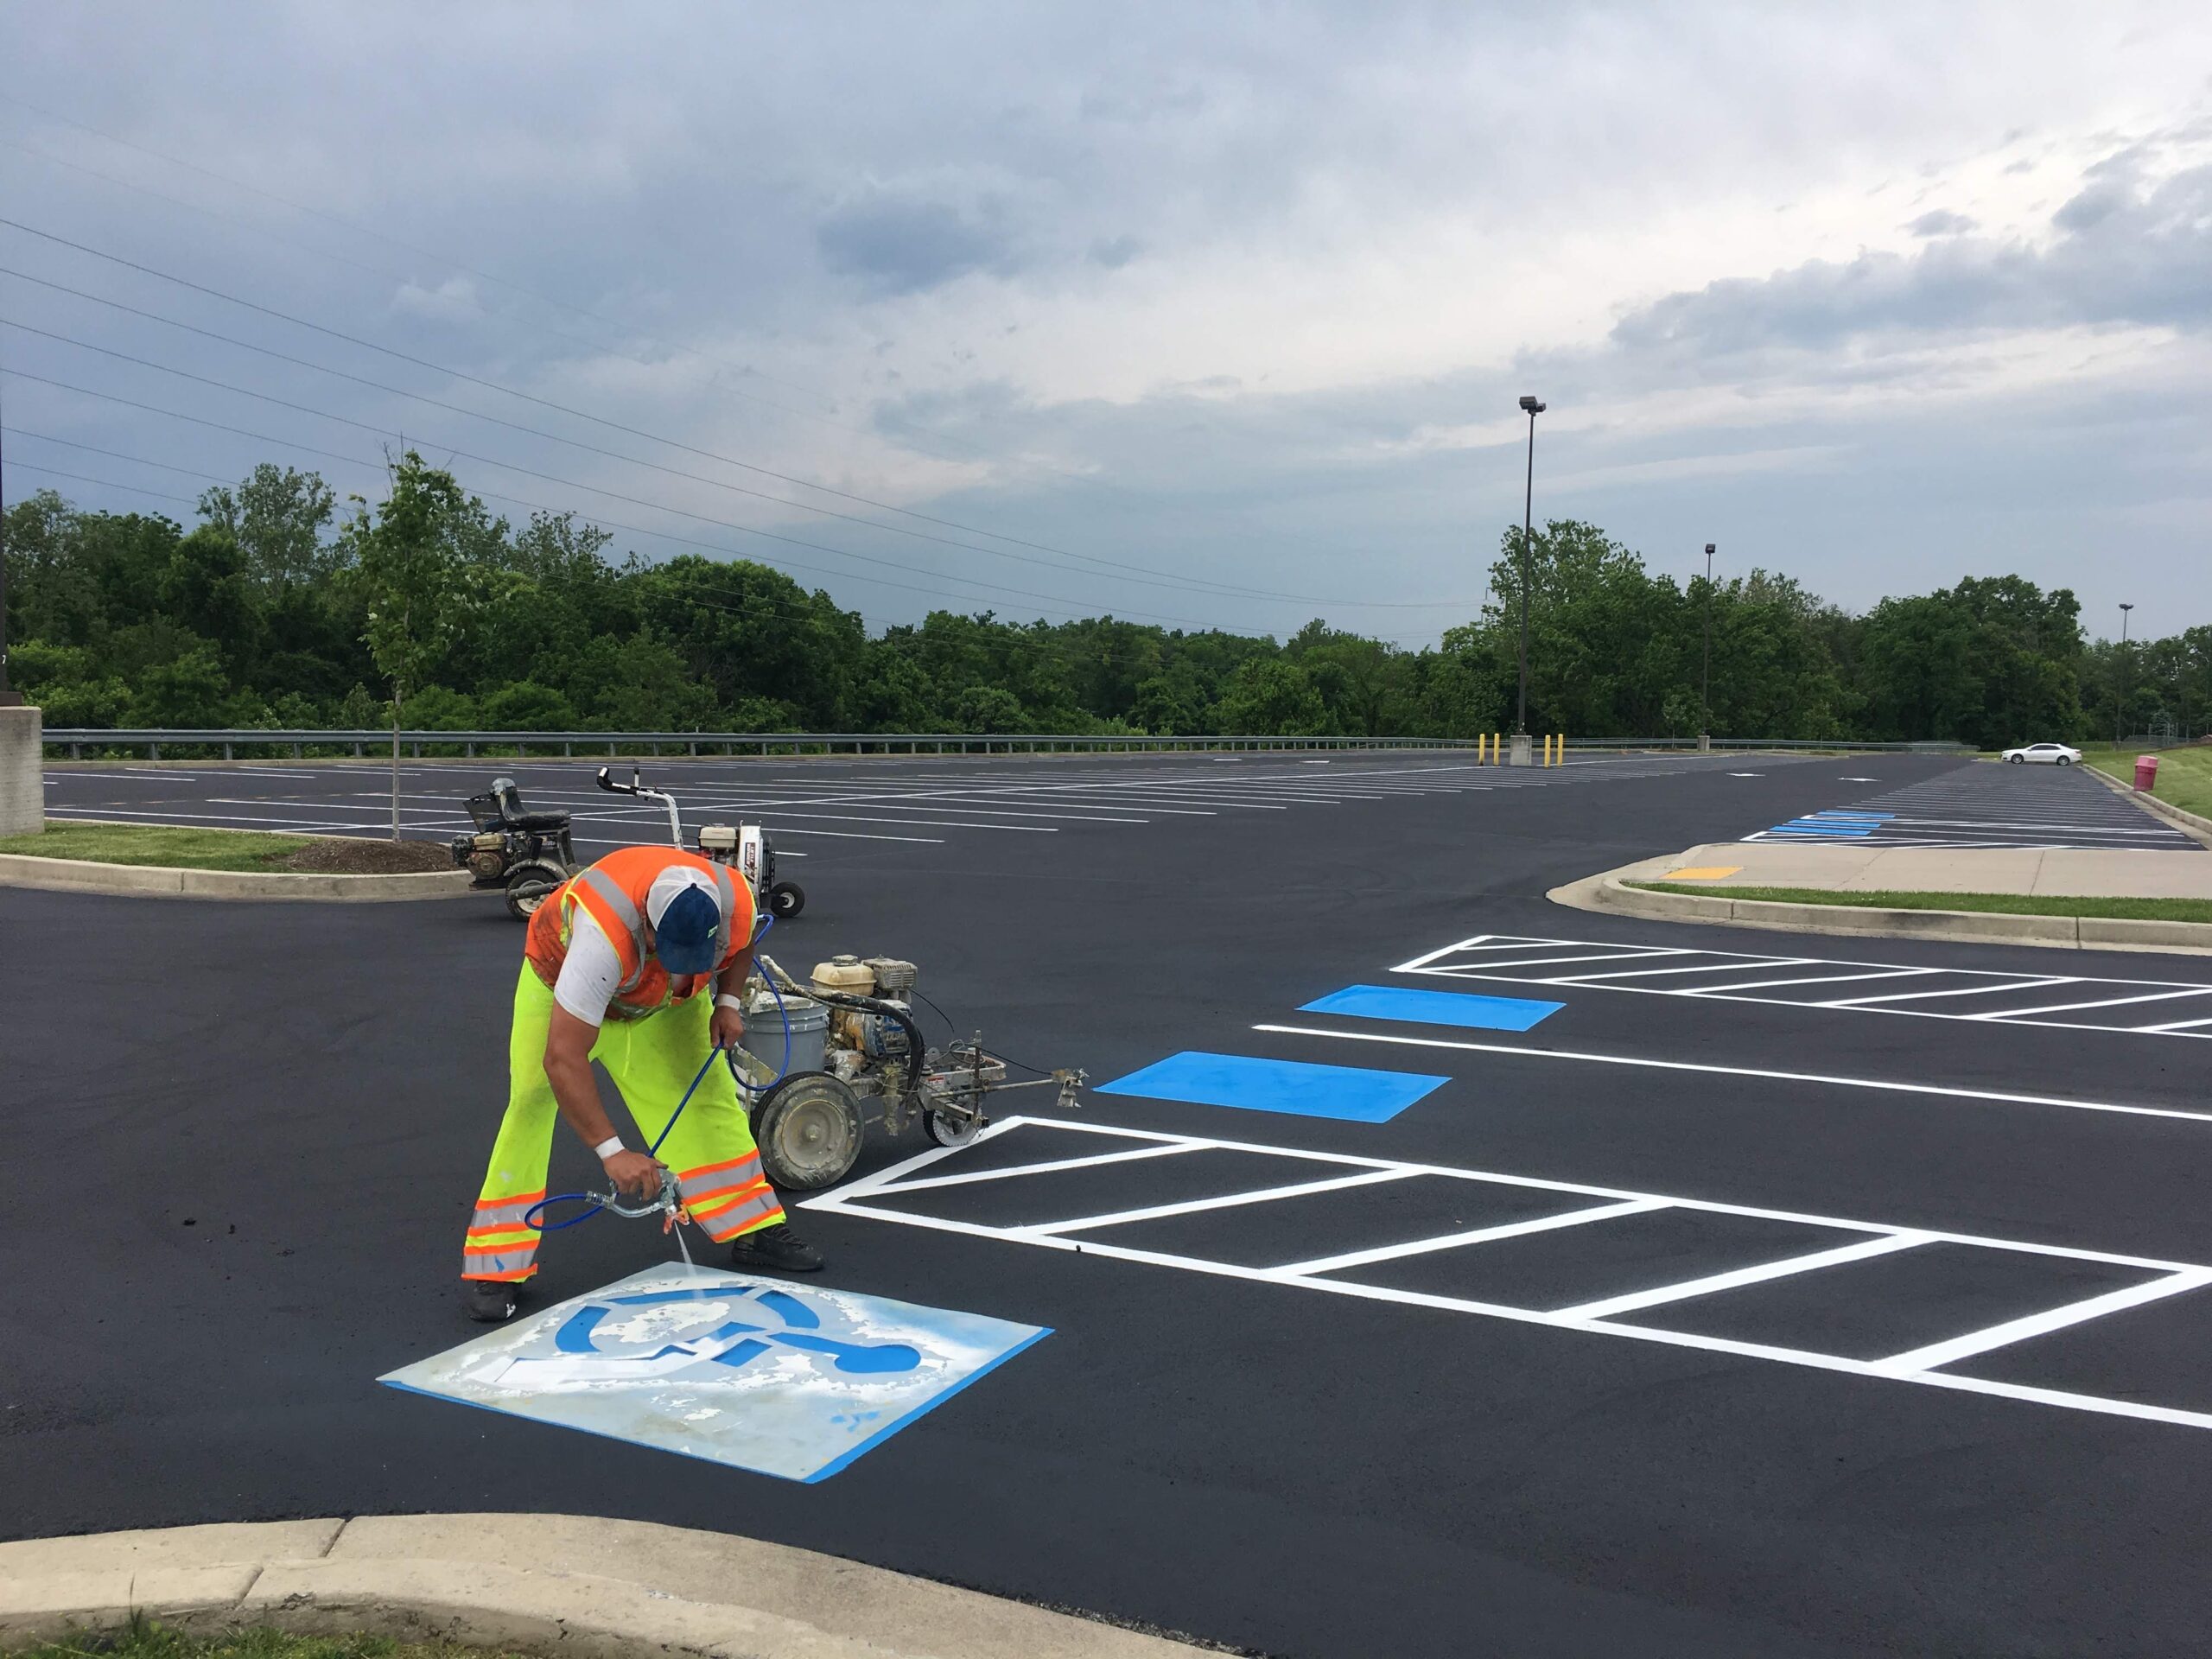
1648,1293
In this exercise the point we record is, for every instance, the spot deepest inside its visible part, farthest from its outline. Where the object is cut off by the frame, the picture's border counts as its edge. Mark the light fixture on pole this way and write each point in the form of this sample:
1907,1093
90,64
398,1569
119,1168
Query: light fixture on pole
1531,408
1705,697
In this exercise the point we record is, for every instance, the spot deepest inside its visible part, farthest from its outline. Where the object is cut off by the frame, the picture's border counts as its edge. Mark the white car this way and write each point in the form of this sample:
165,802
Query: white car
2049,754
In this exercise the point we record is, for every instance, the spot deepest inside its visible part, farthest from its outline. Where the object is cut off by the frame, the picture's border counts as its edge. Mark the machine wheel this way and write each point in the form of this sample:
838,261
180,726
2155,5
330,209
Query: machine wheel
951,1129
808,1130
786,900
2063,761
528,884
2016,758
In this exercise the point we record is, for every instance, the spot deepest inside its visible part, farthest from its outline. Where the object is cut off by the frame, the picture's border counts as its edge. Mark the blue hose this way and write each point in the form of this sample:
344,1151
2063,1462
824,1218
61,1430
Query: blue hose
528,1216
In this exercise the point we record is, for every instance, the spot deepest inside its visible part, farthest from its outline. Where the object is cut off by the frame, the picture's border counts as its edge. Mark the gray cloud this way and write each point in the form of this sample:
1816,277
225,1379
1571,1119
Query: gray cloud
2125,252
897,245
1941,222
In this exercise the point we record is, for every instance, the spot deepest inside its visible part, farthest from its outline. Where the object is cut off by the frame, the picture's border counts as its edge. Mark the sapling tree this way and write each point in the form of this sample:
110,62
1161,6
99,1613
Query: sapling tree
413,556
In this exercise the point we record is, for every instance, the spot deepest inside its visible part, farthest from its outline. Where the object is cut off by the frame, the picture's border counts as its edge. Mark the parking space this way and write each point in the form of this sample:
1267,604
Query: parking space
1558,1319
1988,804
1869,1300
2157,1007
824,806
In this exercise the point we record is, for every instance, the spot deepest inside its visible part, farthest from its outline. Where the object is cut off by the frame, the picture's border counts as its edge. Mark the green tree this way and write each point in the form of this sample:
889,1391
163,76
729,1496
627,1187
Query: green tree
411,561
277,518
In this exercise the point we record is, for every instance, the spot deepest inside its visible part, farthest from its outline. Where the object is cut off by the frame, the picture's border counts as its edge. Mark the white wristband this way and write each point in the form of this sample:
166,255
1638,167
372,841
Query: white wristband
725,1001
608,1148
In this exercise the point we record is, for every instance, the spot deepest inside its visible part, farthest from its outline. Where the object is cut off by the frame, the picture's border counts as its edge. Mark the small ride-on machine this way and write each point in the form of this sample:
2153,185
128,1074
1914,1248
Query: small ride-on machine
524,853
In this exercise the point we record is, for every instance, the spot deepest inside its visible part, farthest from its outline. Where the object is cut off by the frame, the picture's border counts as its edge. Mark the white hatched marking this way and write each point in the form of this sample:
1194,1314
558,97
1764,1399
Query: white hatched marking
1914,1367
1462,962
1864,1250
2036,1325
1473,1236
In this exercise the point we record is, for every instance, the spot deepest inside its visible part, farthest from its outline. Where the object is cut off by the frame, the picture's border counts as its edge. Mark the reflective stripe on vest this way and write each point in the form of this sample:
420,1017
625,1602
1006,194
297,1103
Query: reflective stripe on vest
603,887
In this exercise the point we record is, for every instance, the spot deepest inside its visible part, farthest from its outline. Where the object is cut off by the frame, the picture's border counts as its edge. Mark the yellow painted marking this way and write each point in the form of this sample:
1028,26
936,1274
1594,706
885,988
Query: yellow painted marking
1703,873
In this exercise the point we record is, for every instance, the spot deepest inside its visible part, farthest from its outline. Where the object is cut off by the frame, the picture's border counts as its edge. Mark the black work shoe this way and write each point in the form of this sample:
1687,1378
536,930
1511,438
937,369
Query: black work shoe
489,1300
777,1249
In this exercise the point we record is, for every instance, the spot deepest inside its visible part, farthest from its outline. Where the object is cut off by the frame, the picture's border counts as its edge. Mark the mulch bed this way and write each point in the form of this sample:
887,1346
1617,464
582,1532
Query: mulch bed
358,856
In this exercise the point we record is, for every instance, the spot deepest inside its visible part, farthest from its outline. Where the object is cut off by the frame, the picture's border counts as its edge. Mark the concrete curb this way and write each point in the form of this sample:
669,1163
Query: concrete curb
2200,827
166,882
1608,892
611,1589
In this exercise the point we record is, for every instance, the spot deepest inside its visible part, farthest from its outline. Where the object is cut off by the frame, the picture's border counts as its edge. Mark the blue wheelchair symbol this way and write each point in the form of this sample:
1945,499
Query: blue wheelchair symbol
775,1317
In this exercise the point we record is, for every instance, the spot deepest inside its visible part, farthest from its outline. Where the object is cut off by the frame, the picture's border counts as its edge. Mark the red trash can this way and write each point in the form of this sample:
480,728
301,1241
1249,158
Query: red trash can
2147,771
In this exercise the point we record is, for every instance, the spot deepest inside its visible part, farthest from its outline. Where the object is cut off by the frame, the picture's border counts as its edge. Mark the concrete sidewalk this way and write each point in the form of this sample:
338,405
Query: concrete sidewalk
2057,871
1716,866
611,1589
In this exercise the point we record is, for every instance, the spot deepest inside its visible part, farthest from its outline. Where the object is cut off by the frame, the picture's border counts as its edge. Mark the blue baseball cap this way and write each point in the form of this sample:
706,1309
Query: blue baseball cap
684,937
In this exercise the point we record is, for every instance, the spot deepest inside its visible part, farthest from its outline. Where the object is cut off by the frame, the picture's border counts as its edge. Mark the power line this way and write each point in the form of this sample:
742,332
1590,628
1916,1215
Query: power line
486,460
747,601
360,229
711,382
657,506
1144,574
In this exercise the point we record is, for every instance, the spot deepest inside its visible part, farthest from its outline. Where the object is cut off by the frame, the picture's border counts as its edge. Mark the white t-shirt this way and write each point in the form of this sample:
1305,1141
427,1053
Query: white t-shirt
591,973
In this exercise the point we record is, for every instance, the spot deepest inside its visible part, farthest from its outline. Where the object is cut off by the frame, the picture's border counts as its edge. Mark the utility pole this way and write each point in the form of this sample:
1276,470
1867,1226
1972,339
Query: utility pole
1705,697
1522,755
2124,678
8,699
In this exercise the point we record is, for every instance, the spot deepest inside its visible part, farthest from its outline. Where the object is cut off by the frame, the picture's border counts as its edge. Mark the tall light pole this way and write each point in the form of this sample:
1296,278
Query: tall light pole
7,697
1705,697
1532,408
2119,692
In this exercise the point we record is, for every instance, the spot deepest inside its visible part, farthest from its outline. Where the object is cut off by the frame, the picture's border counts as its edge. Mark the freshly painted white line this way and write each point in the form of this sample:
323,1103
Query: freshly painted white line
1695,967
1813,979
842,1200
2107,1003
1883,1085
2036,1325
134,774
1473,1235
285,824
1460,962
1546,961
930,1183
2177,1025
1966,990
1226,1201
1611,1307
848,835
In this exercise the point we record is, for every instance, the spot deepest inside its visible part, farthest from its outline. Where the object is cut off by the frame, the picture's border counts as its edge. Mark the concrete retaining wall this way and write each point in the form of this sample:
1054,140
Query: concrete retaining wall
22,782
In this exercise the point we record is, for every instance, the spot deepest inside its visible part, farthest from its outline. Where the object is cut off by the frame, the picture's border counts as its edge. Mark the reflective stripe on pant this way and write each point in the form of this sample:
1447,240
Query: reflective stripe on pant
653,1061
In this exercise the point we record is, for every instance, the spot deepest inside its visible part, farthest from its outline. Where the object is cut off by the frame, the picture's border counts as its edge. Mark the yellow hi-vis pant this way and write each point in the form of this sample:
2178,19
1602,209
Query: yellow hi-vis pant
653,1061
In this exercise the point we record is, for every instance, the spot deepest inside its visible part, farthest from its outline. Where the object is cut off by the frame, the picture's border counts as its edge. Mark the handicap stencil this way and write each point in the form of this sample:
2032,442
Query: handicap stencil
782,1380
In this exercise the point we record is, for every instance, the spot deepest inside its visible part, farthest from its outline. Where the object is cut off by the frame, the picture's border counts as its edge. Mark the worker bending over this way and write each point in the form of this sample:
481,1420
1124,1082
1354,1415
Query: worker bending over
616,968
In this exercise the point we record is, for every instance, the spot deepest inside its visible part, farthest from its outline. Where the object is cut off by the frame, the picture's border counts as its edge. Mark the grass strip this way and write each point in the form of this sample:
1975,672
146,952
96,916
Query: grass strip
146,1638
2004,904
172,845
2184,774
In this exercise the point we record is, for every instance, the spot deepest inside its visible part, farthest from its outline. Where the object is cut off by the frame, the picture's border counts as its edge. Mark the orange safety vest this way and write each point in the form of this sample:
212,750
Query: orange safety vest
612,893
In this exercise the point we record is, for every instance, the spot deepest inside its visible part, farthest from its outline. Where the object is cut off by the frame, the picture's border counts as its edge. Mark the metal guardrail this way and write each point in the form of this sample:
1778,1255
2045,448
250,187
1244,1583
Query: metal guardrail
615,744
154,740
1823,744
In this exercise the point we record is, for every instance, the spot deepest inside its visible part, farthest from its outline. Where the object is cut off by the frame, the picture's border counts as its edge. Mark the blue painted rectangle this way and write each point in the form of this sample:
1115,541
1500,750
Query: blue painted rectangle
1434,1008
1294,1086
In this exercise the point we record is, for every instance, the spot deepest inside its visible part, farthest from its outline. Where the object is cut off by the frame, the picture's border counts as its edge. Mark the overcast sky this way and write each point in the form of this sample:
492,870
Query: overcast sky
1213,314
